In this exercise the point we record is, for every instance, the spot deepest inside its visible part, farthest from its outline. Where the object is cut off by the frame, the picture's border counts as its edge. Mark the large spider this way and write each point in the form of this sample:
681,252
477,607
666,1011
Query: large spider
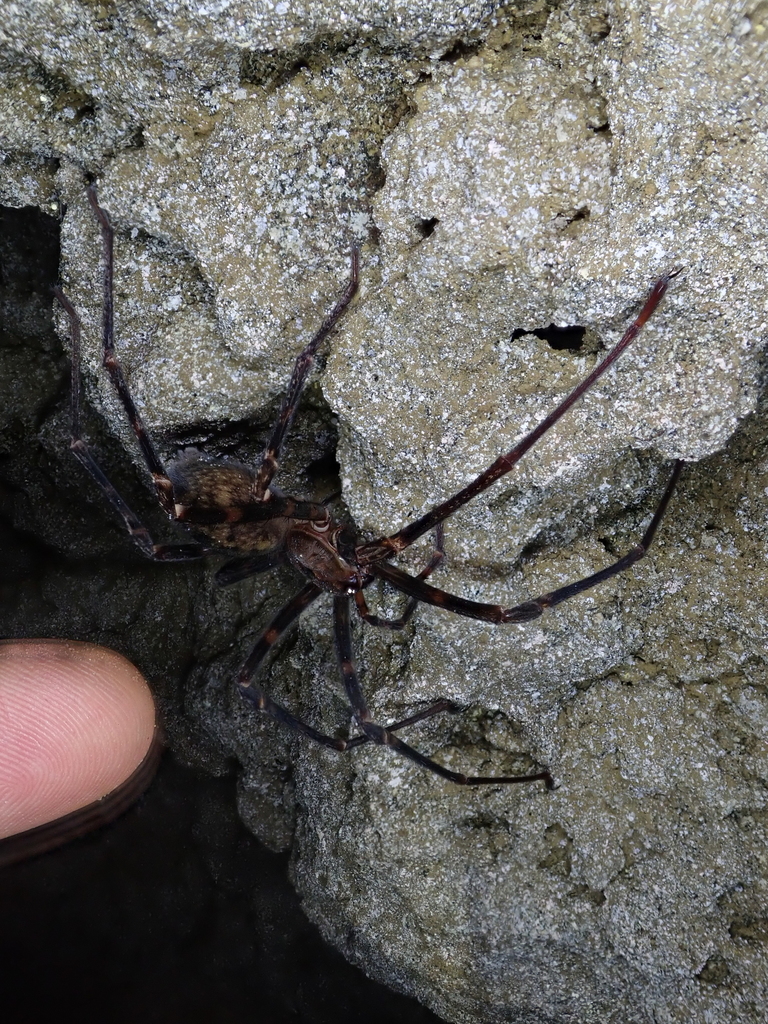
238,507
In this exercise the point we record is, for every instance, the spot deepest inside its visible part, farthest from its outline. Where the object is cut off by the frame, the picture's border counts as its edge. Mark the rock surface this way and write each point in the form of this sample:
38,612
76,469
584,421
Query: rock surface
505,170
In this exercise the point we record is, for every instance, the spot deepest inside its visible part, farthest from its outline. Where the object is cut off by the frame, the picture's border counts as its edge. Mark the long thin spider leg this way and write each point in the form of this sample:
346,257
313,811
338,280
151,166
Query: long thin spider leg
112,365
433,709
385,547
137,530
378,734
528,609
438,554
254,693
301,370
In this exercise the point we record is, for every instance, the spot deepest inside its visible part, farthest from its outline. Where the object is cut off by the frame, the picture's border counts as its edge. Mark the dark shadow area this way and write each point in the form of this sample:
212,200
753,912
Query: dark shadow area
569,339
174,912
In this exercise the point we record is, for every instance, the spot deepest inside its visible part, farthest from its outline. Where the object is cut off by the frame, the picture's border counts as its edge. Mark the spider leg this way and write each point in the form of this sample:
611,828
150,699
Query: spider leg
301,370
241,568
385,737
385,547
111,363
438,553
532,609
137,530
257,697
433,709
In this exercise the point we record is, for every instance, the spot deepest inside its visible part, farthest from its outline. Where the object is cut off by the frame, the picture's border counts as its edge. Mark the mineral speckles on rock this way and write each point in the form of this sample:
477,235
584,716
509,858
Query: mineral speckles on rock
503,155
532,221
265,204
505,169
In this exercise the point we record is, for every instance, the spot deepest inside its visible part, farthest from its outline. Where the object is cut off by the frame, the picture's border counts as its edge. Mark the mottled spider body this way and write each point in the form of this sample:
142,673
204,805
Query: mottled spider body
217,499
238,507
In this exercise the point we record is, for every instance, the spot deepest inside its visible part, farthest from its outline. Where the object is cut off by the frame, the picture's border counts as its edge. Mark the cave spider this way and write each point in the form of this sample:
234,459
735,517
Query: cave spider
238,507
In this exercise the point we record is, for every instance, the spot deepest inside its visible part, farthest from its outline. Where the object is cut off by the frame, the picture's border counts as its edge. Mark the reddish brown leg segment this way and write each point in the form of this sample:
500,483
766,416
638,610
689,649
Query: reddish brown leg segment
258,697
81,451
361,604
378,734
112,365
385,547
301,370
421,591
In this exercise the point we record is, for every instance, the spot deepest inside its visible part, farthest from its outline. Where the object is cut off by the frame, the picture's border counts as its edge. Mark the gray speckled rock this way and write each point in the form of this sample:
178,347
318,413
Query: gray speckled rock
558,160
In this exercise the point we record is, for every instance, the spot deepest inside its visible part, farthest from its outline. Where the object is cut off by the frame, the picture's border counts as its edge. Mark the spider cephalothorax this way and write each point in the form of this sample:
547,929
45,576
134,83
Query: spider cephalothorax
238,507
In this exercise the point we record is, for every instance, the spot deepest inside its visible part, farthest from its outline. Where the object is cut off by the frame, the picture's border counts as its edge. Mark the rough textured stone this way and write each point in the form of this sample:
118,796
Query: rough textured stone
504,170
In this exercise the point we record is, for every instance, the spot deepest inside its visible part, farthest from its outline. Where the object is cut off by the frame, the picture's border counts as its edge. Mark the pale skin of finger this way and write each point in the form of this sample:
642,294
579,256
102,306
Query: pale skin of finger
75,721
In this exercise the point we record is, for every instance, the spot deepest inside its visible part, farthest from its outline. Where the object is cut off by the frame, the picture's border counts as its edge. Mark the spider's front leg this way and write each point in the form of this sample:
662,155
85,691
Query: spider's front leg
81,451
302,368
386,547
418,590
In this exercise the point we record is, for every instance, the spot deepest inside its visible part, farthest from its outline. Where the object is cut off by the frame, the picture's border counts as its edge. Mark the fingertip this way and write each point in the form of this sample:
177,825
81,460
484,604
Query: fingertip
75,721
